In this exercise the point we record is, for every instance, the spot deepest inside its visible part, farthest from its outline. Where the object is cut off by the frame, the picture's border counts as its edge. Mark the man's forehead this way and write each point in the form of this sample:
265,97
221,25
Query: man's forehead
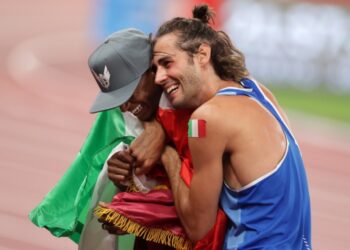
165,48
161,54
165,43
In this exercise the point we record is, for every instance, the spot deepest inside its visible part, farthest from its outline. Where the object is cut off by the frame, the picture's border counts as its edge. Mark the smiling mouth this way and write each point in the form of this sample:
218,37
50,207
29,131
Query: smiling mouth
137,109
172,89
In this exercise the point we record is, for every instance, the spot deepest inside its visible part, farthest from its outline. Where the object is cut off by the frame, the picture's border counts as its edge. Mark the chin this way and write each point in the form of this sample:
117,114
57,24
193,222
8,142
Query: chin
144,116
179,105
175,104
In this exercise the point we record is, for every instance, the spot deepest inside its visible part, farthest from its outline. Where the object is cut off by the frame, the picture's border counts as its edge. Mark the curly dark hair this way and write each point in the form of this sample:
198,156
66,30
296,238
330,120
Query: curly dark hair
228,61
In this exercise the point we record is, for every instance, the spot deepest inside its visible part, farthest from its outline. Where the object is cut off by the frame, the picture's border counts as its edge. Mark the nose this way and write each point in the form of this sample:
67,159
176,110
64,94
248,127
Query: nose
161,76
124,107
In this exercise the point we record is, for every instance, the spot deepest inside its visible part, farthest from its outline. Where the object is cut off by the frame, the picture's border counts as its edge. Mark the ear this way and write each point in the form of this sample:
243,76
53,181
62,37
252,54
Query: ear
204,53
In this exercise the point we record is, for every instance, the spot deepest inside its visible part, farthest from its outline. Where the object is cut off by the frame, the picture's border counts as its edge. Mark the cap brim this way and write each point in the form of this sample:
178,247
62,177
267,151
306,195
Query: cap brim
112,99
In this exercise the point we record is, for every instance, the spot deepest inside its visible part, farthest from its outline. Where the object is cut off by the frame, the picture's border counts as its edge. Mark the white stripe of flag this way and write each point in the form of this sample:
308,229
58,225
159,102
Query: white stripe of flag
196,128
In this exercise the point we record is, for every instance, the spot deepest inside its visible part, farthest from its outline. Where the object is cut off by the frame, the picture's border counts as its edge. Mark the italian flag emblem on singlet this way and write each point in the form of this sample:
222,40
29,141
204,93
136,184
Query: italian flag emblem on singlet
196,128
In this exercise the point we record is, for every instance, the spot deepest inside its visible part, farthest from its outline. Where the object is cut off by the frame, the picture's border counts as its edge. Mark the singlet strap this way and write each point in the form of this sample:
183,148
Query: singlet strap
253,90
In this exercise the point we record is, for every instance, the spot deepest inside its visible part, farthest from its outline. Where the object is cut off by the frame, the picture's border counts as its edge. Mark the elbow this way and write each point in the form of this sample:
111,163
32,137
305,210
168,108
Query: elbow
196,231
195,237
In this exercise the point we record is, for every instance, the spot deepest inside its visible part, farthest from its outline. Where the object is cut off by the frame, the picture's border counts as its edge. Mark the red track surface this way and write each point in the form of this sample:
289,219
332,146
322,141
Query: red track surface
45,93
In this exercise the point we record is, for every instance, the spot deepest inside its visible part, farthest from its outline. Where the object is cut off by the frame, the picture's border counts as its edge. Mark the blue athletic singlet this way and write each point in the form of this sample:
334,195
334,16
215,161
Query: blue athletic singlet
272,212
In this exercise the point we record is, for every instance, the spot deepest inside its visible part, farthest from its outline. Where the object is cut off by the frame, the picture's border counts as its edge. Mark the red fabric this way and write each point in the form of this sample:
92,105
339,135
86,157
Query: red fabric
154,209
186,171
215,237
175,124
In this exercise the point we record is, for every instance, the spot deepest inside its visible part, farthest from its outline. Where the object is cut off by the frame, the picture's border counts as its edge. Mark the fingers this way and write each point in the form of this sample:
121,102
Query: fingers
146,149
138,156
139,171
144,160
102,204
117,179
119,166
143,167
119,169
112,229
123,156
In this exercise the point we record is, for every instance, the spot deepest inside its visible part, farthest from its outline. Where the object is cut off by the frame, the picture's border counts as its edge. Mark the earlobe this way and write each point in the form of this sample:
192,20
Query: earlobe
204,53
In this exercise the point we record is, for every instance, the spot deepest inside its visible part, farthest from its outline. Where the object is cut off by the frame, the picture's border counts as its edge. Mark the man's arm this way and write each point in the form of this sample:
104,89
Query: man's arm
197,206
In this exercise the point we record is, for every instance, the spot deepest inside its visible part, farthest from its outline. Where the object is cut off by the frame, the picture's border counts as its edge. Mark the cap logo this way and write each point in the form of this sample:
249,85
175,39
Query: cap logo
104,78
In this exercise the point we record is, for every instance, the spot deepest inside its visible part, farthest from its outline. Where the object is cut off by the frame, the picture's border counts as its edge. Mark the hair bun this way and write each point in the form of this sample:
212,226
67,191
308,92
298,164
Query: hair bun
203,12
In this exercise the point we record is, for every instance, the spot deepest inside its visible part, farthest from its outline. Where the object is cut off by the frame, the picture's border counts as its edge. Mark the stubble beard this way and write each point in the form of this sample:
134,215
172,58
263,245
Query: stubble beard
188,85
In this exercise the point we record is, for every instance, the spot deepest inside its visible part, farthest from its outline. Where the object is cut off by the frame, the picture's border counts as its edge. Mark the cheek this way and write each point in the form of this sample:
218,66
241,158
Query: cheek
123,107
155,90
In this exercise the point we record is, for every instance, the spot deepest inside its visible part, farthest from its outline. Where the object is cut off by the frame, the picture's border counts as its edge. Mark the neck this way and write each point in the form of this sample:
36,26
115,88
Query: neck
212,83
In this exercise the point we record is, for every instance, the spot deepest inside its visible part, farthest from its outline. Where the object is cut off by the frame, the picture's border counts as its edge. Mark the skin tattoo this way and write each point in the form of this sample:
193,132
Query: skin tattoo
196,128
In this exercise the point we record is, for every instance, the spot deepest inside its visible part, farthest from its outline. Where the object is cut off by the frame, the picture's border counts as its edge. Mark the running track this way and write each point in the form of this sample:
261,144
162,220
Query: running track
45,92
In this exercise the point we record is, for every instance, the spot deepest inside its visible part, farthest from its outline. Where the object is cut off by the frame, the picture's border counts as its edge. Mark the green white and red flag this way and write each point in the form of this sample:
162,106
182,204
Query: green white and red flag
196,128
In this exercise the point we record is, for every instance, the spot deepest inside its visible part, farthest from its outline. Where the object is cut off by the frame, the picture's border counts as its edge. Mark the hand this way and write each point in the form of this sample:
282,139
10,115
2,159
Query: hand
120,166
112,229
148,147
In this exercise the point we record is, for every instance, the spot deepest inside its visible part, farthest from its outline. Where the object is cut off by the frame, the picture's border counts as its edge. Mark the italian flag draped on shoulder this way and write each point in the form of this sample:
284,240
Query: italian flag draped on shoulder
66,208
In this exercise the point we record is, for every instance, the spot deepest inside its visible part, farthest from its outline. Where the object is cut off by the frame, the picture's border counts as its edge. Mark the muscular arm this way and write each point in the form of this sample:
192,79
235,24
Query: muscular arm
197,206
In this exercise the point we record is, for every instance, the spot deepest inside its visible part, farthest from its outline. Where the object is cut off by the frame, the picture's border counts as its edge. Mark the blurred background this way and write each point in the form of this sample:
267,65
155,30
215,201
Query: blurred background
299,49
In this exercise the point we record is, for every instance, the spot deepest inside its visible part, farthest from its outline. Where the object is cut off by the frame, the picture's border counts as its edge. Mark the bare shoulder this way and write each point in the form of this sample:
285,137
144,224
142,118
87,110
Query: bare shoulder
227,107
215,109
234,116
225,116
206,110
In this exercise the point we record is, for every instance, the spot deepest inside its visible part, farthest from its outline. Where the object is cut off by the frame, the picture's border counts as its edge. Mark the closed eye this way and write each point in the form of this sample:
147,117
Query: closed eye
166,64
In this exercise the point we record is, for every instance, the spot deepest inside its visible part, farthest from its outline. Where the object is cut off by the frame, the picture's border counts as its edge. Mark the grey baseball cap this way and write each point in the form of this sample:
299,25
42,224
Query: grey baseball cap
118,65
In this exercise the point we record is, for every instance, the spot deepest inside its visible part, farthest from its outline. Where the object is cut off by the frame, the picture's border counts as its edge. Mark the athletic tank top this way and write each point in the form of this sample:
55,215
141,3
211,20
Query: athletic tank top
272,212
